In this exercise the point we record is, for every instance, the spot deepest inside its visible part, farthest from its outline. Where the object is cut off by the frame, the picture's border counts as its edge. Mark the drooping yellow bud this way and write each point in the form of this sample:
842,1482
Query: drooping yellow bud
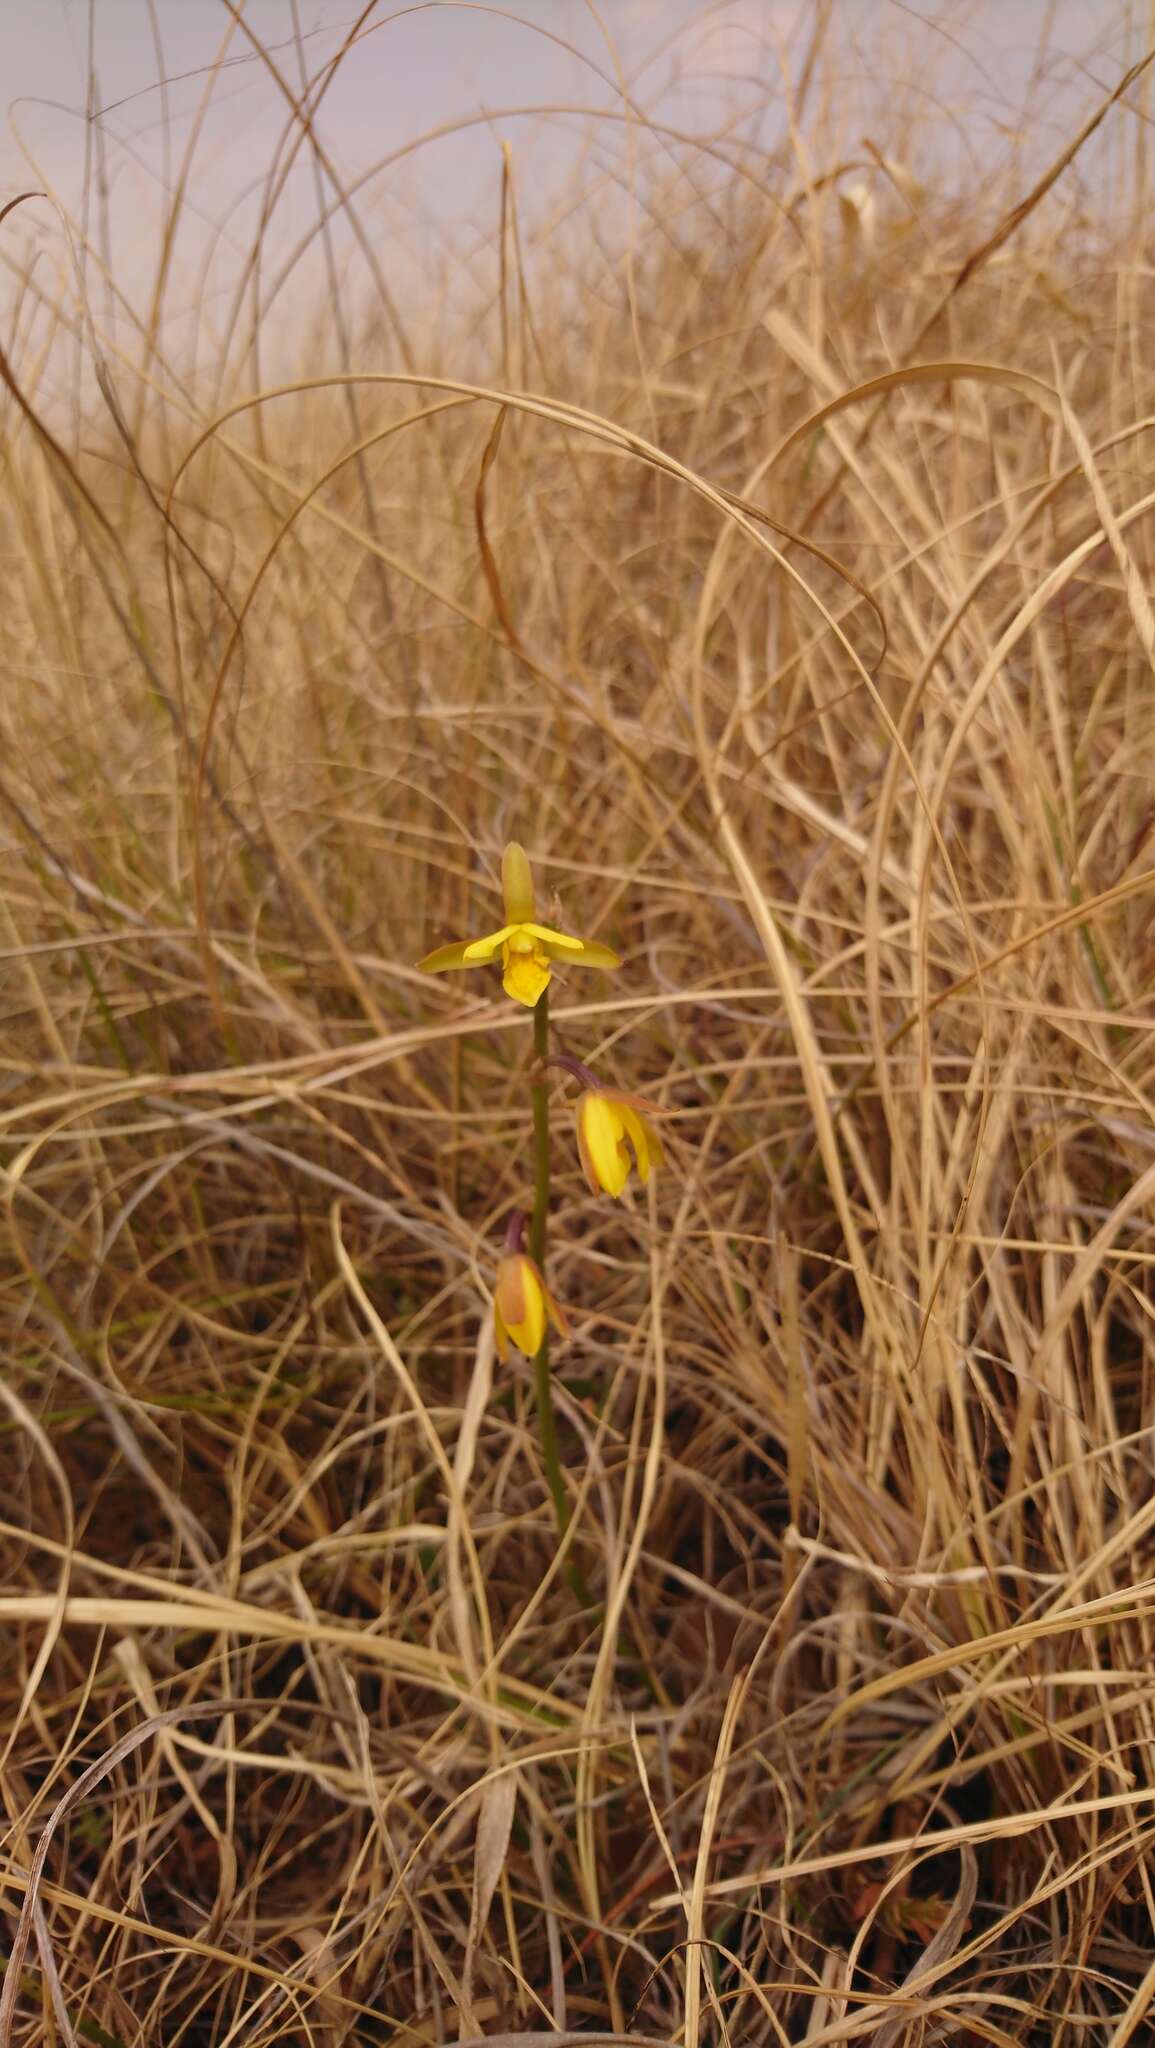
517,884
602,1136
608,1127
522,1303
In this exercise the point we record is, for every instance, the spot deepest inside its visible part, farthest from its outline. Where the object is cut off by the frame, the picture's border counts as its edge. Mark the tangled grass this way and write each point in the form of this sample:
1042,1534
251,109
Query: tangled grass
783,585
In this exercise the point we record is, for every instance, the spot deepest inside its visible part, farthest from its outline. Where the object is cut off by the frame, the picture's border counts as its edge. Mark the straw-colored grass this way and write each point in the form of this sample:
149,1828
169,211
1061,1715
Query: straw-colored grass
797,620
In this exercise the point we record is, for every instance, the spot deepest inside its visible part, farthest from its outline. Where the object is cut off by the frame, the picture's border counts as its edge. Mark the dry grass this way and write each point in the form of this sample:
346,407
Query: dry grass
306,1739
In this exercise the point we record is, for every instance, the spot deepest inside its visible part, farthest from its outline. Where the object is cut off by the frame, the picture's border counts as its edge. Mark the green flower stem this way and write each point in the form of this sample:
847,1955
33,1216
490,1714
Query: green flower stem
542,1387
543,1390
540,1132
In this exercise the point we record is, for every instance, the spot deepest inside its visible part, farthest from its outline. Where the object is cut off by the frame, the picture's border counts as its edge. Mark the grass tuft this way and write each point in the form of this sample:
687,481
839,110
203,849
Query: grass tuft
778,572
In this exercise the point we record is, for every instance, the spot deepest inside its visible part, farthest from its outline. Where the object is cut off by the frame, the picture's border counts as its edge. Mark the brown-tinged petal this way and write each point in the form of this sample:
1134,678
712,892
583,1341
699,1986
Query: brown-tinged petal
557,1314
509,1293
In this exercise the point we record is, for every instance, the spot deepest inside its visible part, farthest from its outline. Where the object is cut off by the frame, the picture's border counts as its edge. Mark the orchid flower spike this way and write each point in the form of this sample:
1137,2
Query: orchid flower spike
522,1303
527,949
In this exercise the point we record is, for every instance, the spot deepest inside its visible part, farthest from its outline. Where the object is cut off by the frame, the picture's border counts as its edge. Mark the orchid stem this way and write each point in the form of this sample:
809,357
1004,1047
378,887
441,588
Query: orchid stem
541,1380
542,1387
540,1092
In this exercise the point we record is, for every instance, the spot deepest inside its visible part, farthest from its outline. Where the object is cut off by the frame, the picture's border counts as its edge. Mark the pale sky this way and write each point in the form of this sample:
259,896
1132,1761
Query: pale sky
966,67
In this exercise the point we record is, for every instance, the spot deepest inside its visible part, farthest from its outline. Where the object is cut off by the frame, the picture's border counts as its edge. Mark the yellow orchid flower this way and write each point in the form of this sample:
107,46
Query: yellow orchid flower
608,1126
526,948
522,1303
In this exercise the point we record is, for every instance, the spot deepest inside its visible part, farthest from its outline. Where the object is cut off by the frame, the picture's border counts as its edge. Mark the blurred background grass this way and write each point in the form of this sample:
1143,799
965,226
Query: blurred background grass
797,620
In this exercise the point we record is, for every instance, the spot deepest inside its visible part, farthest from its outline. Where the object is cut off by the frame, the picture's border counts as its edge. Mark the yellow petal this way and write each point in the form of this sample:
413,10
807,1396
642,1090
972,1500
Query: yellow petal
546,935
500,1335
594,954
606,1161
478,950
525,977
530,1331
443,957
644,1139
516,883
